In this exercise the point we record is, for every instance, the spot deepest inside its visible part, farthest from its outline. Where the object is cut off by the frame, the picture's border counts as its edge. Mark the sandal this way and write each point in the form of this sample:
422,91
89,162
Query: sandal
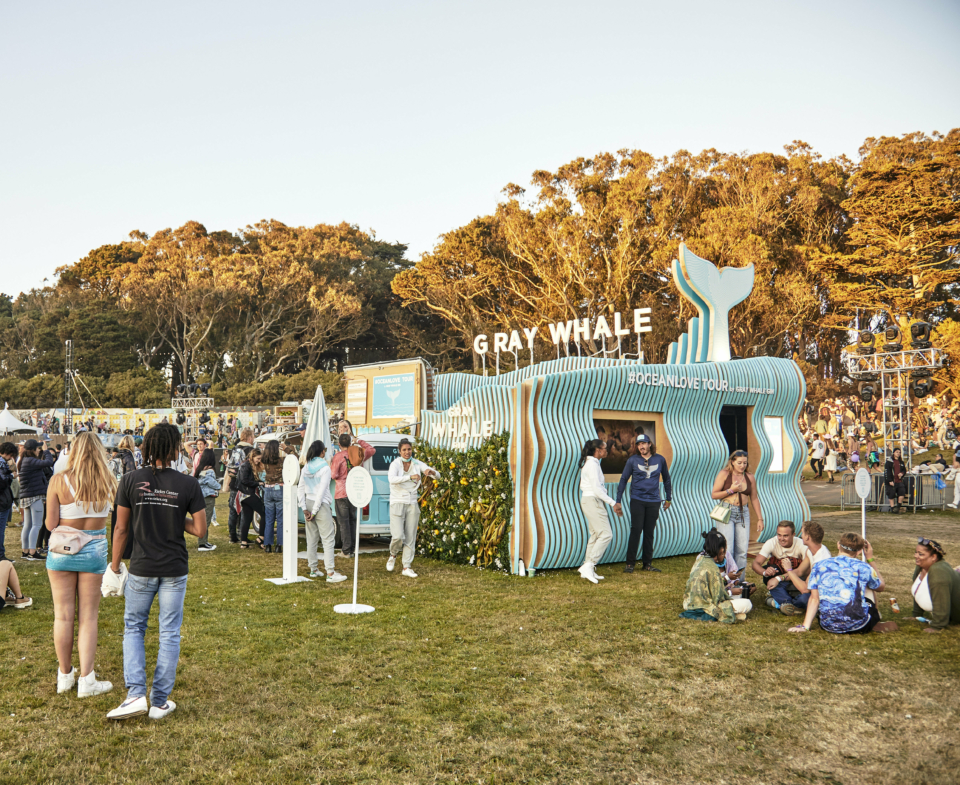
244,545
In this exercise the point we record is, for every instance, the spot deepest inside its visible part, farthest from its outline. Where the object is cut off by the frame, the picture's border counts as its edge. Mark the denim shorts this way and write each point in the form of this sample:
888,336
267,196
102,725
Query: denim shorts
92,557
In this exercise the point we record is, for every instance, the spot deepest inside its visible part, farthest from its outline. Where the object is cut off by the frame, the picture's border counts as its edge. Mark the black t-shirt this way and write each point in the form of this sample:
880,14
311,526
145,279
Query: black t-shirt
158,507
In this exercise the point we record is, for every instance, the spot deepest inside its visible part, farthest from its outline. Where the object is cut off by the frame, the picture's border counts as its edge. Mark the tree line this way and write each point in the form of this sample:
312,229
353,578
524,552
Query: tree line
836,245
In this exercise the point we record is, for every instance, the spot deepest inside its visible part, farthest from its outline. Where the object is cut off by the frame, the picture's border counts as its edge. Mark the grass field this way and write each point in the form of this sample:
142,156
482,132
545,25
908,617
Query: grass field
464,676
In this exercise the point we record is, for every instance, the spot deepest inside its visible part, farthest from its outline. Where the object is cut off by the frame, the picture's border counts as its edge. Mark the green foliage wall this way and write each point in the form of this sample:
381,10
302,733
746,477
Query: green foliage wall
466,519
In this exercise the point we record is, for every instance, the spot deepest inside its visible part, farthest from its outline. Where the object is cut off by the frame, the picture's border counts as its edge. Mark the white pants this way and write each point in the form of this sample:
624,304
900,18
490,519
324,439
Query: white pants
599,525
403,530
320,529
956,490
741,605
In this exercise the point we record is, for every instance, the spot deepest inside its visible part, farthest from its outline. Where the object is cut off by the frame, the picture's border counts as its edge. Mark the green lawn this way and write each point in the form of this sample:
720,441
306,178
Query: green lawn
465,676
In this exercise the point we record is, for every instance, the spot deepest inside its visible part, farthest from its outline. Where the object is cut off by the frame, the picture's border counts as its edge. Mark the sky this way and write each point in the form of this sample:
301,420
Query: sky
408,119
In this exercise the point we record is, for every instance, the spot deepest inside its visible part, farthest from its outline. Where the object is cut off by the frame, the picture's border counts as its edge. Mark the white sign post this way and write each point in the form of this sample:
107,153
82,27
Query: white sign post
291,523
359,492
862,484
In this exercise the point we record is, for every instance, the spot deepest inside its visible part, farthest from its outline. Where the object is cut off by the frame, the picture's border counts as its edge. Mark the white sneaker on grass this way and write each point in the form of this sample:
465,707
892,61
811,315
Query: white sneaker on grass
408,573
131,707
391,563
159,712
336,577
315,573
952,506
88,686
586,571
208,547
65,681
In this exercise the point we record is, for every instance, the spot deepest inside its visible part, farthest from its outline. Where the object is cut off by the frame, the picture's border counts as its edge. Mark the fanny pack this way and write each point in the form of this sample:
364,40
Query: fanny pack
68,541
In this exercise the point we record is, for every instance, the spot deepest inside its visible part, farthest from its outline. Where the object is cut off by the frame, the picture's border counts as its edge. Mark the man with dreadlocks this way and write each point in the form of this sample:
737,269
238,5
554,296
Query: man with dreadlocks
153,503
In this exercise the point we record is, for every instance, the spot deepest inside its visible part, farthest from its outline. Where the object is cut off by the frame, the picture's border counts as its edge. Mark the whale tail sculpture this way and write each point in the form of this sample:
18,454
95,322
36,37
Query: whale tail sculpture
393,395
713,293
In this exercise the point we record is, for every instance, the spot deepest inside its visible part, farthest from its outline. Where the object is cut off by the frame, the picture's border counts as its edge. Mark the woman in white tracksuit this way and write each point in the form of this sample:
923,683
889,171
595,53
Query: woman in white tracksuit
593,498
404,477
313,494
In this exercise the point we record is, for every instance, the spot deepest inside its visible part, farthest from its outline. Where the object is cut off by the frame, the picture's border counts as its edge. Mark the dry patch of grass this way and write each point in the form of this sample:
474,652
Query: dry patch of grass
464,676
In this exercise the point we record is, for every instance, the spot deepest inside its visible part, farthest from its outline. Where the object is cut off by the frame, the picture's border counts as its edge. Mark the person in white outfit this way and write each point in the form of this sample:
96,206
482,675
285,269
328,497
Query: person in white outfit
953,475
593,496
316,501
404,476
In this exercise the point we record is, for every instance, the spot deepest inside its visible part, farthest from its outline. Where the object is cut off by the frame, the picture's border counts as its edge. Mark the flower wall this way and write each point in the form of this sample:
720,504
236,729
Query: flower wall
466,517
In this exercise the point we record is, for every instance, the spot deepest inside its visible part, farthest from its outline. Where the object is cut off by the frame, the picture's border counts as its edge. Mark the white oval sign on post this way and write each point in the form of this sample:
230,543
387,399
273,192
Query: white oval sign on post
359,487
862,483
291,470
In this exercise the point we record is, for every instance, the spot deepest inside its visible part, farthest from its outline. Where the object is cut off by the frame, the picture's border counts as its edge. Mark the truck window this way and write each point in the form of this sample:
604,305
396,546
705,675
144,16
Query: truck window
385,455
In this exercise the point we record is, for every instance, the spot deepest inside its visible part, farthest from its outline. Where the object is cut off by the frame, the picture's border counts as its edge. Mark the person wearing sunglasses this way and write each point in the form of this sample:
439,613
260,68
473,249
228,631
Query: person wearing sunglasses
936,586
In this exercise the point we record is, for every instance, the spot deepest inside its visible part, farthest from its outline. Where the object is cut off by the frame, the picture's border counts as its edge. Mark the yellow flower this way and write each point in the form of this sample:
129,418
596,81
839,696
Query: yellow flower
462,518
463,480
436,532
453,466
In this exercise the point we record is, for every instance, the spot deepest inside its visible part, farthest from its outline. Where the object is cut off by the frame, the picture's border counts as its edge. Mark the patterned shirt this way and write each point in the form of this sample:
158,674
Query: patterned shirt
841,582
705,591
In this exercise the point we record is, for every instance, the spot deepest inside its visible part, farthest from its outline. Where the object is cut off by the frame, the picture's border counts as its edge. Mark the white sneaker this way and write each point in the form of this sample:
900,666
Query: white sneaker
208,547
159,712
586,571
336,577
408,573
65,681
391,562
316,573
131,707
952,506
88,686
598,577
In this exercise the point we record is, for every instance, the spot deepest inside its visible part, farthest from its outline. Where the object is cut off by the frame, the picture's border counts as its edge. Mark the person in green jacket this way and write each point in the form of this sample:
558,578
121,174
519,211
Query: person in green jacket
936,587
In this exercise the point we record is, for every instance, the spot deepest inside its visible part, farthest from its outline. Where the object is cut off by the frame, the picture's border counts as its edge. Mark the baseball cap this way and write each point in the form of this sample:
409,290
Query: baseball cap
643,438
32,444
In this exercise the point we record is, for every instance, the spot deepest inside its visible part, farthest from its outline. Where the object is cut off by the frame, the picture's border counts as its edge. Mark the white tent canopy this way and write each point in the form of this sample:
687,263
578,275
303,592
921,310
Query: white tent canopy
10,424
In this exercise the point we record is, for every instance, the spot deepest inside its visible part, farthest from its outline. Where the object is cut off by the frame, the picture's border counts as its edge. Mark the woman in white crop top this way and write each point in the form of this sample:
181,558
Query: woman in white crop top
80,498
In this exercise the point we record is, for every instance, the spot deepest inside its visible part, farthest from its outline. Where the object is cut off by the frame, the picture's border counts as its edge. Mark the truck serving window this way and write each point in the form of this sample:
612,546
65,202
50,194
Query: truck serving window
386,454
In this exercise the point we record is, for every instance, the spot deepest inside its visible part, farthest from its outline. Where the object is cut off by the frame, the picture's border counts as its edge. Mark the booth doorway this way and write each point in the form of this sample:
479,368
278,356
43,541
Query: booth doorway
733,425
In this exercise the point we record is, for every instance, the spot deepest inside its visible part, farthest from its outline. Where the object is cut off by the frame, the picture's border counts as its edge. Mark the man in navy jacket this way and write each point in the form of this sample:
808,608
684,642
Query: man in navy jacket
644,470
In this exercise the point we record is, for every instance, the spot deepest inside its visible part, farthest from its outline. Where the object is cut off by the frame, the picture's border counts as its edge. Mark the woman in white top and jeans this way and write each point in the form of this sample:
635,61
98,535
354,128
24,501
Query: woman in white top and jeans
404,477
313,493
80,498
593,495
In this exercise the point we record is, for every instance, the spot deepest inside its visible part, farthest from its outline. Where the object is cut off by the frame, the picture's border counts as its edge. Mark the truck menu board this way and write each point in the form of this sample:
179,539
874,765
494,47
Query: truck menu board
356,409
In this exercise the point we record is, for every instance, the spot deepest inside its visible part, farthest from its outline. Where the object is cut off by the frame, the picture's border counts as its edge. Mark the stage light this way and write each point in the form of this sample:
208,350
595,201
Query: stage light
181,418
893,340
865,341
205,389
193,387
921,373
866,392
920,335
181,389
923,388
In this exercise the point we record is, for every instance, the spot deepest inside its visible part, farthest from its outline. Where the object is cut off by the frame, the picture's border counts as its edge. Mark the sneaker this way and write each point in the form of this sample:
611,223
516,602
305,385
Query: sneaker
337,577
789,609
952,506
586,571
33,557
391,562
22,602
650,568
88,685
316,574
772,603
408,573
159,712
628,568
131,707
65,681
596,575
208,547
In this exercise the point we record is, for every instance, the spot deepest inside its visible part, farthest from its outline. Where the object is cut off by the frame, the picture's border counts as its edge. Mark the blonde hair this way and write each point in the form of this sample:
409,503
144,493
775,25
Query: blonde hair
127,443
734,456
246,435
92,480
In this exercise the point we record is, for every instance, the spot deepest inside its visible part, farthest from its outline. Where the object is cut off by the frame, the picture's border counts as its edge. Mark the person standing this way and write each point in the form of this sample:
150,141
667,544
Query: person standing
404,477
249,497
644,469
736,489
350,455
153,503
593,496
33,491
894,472
8,466
237,458
78,501
204,463
272,461
313,495
817,451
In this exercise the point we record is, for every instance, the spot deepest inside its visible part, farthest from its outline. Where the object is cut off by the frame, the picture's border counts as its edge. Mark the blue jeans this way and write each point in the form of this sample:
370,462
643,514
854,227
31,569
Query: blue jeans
273,511
4,517
781,595
139,594
32,521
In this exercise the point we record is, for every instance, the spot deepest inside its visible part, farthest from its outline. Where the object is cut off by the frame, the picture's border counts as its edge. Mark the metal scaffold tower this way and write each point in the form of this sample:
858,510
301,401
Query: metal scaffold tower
68,391
903,374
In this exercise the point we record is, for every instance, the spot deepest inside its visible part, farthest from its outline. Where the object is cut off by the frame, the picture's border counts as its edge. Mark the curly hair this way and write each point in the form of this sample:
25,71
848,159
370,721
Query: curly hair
160,443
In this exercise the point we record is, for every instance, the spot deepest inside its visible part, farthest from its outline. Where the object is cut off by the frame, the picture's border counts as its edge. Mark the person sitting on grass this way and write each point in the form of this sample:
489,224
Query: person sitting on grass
778,556
811,535
838,590
705,597
10,594
936,587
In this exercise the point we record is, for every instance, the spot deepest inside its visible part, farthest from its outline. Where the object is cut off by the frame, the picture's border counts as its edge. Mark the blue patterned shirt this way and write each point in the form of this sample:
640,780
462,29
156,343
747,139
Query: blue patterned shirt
841,582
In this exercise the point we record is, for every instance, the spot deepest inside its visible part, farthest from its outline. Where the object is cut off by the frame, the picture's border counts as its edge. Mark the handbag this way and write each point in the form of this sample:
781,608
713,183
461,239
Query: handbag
720,513
68,541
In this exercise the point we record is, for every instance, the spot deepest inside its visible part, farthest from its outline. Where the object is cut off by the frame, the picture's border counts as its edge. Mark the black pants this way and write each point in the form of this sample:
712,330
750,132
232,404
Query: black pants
347,523
643,520
233,519
817,465
43,537
872,621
